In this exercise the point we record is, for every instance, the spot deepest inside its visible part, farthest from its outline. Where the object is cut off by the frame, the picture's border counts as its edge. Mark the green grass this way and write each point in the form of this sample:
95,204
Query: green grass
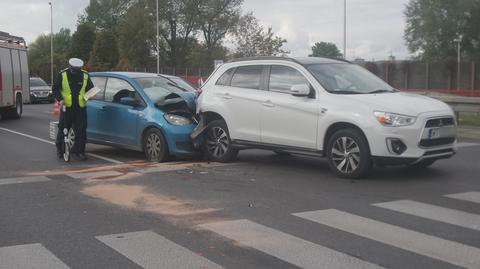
469,120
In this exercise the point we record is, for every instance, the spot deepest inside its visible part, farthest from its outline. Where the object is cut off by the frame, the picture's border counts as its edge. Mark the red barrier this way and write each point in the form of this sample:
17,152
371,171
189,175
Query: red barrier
194,79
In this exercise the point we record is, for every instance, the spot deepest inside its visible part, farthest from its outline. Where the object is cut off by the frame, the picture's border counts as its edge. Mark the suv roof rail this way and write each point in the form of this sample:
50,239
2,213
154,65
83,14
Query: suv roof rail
284,59
6,37
338,59
264,58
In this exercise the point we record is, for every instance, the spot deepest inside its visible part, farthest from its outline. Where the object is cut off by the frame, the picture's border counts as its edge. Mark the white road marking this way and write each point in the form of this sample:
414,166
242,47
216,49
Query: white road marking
31,256
473,196
150,250
433,212
94,174
53,143
466,144
29,136
19,180
283,246
423,244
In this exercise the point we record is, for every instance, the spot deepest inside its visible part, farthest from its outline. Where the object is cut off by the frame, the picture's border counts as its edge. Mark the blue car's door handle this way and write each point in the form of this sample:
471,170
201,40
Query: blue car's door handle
102,108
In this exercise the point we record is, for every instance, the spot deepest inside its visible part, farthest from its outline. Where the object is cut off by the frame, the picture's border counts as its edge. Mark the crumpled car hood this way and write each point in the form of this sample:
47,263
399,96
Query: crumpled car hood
178,101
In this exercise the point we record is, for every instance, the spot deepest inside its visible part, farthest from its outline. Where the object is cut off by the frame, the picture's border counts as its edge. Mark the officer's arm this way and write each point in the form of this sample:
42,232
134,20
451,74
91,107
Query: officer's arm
89,84
57,86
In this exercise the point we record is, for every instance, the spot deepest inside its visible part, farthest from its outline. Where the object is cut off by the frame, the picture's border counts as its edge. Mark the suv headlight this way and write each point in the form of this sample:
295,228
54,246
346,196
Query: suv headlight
177,120
394,120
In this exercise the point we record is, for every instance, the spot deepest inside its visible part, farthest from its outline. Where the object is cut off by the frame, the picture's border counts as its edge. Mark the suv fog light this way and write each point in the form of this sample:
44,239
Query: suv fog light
396,146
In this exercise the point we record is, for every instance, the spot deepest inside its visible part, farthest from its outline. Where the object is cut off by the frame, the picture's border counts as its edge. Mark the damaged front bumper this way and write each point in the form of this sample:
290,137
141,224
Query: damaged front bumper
196,136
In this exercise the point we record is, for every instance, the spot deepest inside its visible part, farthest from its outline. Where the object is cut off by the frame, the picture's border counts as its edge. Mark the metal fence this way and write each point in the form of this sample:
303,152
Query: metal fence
429,76
404,75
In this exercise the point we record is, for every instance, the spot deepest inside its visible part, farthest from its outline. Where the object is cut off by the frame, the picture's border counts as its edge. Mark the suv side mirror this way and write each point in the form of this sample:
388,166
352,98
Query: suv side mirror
128,101
300,90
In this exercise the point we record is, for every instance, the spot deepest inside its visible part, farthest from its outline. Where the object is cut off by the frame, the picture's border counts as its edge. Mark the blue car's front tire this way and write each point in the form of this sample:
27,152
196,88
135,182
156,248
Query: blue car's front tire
154,146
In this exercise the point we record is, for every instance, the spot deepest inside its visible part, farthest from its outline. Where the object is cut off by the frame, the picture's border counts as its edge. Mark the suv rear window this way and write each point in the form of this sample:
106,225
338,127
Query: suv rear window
224,79
247,77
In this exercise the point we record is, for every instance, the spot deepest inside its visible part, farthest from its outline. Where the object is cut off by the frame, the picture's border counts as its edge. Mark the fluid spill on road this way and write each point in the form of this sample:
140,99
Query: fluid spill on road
136,197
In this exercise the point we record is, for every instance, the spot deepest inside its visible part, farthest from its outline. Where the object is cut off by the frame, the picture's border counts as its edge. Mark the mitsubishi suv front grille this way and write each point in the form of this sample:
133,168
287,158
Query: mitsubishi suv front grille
440,122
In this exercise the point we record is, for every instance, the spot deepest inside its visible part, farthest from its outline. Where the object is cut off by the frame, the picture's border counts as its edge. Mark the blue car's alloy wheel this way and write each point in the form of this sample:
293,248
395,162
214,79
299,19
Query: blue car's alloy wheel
154,146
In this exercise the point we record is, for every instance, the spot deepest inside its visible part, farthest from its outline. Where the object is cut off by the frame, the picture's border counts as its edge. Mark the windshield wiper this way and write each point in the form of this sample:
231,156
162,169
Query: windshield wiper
345,92
173,83
380,91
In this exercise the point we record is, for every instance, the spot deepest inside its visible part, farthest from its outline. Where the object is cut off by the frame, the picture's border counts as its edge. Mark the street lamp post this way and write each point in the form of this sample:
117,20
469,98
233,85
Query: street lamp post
51,42
458,41
158,46
344,29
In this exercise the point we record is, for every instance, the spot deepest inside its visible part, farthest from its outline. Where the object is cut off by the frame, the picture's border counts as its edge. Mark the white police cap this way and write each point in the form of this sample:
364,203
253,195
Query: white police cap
75,62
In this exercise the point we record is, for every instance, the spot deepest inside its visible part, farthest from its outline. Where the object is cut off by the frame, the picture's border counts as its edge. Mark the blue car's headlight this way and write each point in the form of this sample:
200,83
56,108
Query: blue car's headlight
177,120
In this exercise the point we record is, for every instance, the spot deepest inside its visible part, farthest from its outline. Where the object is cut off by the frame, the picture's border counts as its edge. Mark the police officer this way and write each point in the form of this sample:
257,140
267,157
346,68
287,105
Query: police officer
69,90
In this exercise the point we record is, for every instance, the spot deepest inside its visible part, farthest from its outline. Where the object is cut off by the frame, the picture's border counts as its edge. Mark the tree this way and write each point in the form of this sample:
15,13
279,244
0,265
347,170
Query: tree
105,50
177,25
82,41
137,37
105,14
216,19
433,25
39,53
253,40
325,49
199,56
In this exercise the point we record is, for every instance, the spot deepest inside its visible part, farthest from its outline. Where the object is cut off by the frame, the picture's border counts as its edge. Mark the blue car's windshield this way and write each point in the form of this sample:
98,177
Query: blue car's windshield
156,88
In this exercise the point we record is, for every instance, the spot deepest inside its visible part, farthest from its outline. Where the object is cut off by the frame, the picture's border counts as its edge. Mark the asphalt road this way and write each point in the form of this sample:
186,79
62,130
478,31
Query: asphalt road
265,211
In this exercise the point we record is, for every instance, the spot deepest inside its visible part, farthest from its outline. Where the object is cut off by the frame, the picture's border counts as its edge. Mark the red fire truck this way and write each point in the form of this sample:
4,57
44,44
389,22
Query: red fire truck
14,76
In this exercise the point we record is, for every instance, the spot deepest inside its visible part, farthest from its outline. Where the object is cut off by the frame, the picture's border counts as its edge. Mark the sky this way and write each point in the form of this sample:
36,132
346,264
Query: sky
374,27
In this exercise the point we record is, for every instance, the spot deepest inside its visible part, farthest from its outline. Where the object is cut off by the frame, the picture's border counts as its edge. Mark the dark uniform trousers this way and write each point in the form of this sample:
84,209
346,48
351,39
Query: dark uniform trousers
76,117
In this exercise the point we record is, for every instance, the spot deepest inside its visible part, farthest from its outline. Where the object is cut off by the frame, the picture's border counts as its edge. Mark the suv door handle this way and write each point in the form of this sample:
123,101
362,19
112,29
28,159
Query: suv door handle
102,108
268,104
227,96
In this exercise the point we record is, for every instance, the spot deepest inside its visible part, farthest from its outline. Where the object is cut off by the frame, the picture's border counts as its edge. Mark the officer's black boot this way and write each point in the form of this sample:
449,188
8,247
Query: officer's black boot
81,156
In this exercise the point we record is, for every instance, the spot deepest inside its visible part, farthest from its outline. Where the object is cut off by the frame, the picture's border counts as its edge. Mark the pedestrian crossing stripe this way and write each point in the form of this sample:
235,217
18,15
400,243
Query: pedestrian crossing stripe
31,256
150,250
286,247
433,212
423,244
473,196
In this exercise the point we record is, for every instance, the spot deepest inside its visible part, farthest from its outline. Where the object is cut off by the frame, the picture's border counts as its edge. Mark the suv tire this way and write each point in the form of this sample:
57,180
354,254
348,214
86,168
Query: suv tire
217,144
348,154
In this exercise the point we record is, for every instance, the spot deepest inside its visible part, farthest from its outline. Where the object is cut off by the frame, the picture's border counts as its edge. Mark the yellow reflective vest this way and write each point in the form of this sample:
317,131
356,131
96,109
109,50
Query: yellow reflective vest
66,92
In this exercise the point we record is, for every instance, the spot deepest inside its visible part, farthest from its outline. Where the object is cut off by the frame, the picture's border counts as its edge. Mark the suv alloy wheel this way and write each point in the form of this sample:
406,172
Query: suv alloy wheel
217,144
348,154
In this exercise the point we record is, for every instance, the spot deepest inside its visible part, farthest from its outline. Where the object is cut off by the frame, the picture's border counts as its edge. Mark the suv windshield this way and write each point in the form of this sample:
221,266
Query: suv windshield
37,82
343,78
157,88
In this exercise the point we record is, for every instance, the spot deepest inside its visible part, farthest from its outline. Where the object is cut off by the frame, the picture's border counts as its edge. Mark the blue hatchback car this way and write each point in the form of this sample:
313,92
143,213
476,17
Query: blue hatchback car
141,111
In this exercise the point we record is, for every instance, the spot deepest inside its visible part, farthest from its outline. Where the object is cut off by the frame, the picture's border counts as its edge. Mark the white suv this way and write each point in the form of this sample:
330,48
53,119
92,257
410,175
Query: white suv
320,107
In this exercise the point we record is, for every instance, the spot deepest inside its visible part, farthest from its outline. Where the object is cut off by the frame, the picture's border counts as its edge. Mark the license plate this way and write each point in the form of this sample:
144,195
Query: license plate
434,133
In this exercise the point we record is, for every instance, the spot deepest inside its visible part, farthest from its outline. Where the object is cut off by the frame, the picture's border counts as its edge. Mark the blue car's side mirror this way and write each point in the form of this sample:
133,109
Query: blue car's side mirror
128,101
